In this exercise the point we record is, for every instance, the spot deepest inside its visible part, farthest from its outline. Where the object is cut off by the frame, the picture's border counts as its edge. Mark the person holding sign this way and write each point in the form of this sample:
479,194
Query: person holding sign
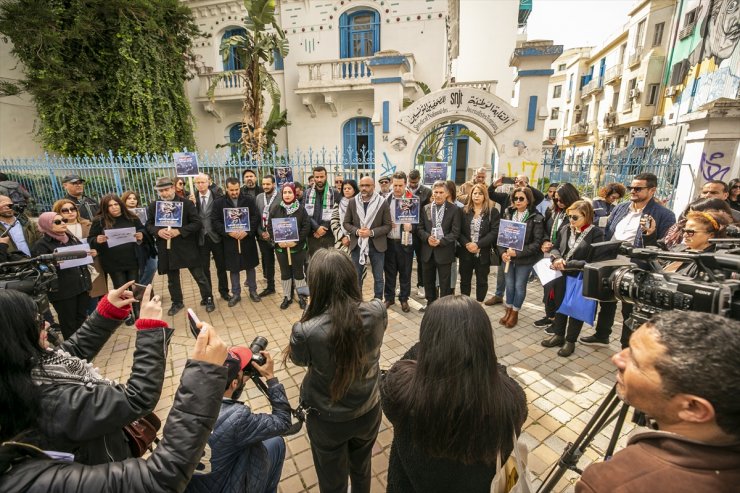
266,201
289,227
478,233
399,257
521,260
178,246
319,203
70,299
240,238
439,229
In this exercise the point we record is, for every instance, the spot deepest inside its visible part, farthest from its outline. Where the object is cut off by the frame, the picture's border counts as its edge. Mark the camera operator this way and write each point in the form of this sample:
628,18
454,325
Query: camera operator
58,395
681,369
247,451
18,234
700,227
24,468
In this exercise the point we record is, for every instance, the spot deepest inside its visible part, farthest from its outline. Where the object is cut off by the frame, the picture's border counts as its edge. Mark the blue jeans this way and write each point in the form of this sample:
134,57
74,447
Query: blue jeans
146,275
377,261
500,280
275,448
516,284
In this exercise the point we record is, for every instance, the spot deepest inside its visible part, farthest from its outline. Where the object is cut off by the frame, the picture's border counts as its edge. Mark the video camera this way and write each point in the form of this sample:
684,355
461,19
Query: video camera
714,289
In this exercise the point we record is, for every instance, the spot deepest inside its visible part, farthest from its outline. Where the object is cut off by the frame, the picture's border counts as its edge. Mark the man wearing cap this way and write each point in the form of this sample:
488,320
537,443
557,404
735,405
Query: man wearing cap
385,186
246,449
183,252
75,187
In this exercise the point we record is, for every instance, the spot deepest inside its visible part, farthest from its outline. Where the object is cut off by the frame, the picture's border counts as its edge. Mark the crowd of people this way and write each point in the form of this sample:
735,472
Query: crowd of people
449,382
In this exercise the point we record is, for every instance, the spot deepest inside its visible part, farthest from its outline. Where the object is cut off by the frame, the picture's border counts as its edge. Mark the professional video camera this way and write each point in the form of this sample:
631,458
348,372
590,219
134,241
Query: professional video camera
34,276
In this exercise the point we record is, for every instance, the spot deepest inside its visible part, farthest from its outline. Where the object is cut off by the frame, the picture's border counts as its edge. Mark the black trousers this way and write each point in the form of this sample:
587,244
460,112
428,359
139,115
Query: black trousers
431,271
315,244
567,326
398,263
419,263
605,322
342,450
469,263
121,277
294,270
173,284
209,248
71,312
552,304
267,252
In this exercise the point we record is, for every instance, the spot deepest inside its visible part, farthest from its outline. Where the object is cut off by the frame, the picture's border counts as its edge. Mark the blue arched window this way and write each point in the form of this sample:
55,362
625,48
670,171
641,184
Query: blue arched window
234,61
359,34
359,140
235,137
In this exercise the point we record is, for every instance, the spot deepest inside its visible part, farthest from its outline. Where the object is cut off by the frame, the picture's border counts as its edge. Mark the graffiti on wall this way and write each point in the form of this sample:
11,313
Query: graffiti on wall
707,63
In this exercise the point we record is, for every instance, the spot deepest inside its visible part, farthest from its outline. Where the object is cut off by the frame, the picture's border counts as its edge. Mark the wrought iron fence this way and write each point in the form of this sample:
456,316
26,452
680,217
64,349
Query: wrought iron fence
589,171
42,176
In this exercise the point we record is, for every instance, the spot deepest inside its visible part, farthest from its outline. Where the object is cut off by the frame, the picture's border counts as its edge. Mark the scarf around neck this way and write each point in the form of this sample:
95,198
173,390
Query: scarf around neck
291,208
58,366
366,219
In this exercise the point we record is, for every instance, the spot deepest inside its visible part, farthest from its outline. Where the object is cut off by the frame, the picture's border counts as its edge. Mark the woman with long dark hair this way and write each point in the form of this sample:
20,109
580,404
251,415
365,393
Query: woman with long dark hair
734,196
453,410
478,233
339,338
70,300
147,250
119,262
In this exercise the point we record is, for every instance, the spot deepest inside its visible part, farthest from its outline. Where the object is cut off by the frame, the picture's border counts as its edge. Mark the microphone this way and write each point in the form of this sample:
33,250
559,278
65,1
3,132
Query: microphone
61,256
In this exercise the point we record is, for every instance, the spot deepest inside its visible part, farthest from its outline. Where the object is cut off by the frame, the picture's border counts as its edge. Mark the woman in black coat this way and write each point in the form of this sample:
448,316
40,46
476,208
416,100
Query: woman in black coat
571,254
120,262
521,261
478,234
70,299
293,270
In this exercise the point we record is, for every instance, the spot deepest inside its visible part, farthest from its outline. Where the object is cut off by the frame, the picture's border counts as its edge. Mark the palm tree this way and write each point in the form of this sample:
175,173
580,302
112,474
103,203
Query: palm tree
256,50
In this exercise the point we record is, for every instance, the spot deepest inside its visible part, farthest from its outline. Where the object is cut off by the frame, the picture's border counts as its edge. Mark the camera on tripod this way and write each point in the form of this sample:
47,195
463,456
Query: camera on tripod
35,277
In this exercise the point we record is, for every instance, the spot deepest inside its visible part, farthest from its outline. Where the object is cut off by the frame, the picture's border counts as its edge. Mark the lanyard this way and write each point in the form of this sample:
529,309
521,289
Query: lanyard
438,215
578,242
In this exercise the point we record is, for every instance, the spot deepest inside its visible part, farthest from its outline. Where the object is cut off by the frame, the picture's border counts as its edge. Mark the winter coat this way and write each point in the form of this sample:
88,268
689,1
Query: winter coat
31,234
444,253
86,207
184,252
664,219
119,258
88,419
304,226
249,257
100,283
583,255
168,469
240,458
310,346
533,239
70,282
487,236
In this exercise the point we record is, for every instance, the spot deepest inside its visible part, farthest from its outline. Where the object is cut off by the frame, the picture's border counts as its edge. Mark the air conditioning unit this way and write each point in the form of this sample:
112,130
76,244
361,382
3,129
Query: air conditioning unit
634,93
657,120
578,107
670,91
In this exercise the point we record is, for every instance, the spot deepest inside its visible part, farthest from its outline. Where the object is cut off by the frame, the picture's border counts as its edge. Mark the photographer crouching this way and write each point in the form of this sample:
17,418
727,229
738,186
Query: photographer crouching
682,369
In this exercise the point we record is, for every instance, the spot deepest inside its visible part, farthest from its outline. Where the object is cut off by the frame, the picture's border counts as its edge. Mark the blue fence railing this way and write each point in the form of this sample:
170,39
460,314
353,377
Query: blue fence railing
104,174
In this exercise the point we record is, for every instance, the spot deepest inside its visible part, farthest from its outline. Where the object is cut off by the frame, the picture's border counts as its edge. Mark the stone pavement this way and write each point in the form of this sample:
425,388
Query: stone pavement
562,393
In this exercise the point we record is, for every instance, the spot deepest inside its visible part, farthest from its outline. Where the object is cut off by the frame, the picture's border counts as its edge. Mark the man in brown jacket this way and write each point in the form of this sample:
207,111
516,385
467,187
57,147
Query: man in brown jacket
681,369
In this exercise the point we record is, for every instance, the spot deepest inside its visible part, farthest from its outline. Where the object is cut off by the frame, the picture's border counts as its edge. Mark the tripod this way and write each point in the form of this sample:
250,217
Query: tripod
604,415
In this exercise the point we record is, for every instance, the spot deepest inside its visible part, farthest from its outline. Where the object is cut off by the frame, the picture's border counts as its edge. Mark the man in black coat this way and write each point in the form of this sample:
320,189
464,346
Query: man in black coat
439,228
399,257
425,196
183,251
75,187
209,241
240,248
319,202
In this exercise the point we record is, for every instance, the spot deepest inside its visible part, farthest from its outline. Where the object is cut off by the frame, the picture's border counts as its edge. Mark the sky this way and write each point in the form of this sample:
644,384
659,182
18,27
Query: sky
575,23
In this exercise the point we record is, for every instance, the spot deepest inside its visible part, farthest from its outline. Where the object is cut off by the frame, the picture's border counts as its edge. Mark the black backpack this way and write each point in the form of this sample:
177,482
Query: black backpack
15,191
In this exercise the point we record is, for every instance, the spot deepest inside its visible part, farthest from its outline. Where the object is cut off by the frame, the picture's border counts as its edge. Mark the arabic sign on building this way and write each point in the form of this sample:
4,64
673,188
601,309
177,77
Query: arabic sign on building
481,107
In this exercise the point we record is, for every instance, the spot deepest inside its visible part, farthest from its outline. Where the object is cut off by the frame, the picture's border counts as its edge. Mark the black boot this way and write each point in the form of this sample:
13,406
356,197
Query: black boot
302,302
567,349
286,303
554,341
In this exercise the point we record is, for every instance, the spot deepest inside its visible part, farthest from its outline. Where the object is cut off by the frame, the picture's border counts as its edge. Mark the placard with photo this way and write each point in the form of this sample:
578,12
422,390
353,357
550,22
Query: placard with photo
434,172
236,219
511,234
168,213
283,175
186,163
285,229
406,210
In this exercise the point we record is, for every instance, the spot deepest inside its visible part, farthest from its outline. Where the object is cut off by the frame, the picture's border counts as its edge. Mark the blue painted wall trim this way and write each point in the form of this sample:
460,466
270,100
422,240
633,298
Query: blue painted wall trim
539,51
386,117
386,80
536,73
531,113
389,60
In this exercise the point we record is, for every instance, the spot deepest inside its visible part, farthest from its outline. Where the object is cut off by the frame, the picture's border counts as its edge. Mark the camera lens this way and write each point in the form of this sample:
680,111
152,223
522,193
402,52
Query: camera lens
258,344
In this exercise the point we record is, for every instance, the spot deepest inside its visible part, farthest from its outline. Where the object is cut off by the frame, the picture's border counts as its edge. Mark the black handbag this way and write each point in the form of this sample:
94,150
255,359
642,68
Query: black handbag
142,433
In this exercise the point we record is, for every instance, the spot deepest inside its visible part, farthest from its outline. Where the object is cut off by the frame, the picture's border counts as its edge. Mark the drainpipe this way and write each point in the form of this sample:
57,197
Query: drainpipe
669,65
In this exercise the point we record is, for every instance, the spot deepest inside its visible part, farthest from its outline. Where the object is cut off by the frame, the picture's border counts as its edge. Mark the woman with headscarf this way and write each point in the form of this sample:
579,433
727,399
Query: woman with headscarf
341,238
71,298
291,269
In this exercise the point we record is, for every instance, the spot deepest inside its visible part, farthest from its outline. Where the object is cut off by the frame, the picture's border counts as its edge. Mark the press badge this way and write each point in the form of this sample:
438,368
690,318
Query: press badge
437,233
326,215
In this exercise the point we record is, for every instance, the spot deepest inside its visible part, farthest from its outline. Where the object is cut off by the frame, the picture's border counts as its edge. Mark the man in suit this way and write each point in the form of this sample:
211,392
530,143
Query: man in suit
183,251
209,242
368,221
265,201
319,201
399,256
439,228
425,195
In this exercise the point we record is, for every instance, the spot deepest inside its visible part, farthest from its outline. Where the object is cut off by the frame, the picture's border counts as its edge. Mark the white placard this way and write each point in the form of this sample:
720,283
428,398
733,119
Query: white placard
68,264
544,272
120,236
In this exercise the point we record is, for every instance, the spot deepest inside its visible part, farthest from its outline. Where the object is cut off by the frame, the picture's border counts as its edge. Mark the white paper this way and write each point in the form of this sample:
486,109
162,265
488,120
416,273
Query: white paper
120,236
603,220
68,264
544,272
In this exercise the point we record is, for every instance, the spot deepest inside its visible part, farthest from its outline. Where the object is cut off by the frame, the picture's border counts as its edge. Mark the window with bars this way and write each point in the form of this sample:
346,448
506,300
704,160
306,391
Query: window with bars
359,139
234,61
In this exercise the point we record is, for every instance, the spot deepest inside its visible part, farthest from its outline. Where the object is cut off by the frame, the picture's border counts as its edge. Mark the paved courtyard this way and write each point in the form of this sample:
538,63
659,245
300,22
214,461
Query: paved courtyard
562,393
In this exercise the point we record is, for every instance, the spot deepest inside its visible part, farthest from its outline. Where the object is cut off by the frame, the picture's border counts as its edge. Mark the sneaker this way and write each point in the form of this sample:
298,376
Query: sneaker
420,292
549,330
543,322
266,292
176,307
594,341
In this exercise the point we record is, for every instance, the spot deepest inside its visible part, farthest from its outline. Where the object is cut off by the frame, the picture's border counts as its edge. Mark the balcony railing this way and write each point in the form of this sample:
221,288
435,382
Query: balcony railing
613,74
634,59
230,86
611,119
596,84
580,128
483,85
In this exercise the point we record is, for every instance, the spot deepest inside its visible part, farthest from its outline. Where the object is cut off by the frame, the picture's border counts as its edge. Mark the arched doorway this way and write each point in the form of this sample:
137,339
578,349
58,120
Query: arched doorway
447,143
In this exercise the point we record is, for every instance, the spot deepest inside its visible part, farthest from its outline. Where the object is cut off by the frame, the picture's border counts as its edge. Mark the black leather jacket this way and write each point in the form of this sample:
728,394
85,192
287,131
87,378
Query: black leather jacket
310,346
88,420
168,469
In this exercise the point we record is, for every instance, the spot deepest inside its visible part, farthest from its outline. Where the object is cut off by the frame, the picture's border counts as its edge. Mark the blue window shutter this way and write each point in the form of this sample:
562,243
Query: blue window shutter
233,63
386,117
278,59
348,138
235,135
376,32
370,140
343,36
531,113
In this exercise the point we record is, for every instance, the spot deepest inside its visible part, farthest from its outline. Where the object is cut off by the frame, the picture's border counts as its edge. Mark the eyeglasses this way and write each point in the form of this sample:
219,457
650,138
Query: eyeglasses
519,199
636,189
68,210
574,217
735,186
692,232
60,221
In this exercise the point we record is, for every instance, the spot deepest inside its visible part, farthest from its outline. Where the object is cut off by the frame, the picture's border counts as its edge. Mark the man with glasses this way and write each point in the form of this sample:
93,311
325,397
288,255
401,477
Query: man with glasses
641,221
75,187
425,195
338,183
548,200
717,189
504,198
17,233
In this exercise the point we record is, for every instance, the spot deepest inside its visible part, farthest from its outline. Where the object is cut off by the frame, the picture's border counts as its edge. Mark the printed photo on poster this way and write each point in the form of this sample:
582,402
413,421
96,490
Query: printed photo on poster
283,175
434,172
511,234
285,229
168,214
186,163
140,213
406,211
236,219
